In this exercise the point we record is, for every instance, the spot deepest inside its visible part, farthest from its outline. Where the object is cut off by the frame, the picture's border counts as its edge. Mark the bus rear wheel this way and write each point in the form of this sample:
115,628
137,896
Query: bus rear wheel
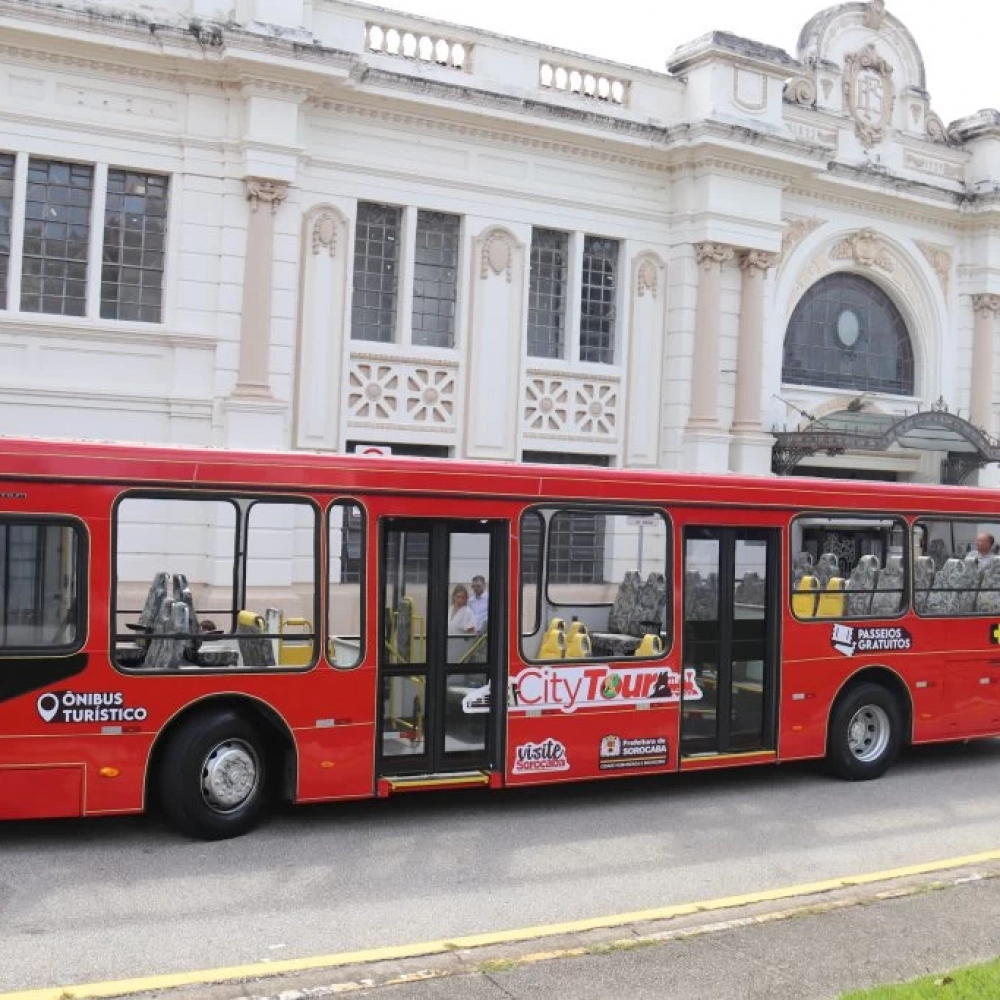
865,733
213,776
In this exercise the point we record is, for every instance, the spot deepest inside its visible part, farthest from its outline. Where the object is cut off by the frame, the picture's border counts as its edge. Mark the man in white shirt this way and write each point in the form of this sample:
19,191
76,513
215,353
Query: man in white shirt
982,555
479,603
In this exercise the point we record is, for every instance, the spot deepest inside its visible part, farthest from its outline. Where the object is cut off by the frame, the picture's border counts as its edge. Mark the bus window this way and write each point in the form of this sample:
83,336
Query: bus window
174,565
277,625
347,584
532,536
848,567
605,585
40,584
957,567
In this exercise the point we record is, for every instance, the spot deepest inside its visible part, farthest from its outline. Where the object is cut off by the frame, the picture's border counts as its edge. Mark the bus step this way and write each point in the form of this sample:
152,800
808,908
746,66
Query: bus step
430,782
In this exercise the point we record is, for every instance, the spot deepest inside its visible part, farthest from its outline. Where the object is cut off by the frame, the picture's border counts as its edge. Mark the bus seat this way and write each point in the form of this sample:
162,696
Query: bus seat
255,650
861,586
295,650
155,597
170,636
923,579
649,645
804,597
888,599
827,567
554,641
578,645
831,599
802,565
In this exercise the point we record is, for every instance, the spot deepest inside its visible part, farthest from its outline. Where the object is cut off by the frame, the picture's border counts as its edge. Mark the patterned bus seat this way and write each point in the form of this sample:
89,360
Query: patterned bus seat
861,587
888,598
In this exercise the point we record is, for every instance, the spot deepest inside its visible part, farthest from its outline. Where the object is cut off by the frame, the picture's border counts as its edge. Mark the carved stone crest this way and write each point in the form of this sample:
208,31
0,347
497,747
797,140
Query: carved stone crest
866,249
497,255
936,131
869,94
324,234
646,278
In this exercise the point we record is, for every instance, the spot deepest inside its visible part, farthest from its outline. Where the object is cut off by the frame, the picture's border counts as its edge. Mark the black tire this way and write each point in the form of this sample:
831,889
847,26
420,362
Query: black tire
213,776
866,732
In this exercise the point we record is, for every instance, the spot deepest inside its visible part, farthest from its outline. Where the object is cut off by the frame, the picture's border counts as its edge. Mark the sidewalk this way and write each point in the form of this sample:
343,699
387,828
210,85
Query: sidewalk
818,947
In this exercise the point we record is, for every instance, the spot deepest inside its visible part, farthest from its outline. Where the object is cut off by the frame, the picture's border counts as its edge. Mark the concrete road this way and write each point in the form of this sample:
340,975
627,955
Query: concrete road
108,899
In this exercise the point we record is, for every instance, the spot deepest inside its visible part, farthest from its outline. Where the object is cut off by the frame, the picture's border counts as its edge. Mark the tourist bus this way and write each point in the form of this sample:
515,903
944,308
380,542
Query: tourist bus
209,632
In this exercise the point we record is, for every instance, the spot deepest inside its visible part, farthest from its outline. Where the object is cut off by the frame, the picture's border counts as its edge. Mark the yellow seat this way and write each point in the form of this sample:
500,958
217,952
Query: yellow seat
651,645
831,599
294,651
578,641
804,597
554,641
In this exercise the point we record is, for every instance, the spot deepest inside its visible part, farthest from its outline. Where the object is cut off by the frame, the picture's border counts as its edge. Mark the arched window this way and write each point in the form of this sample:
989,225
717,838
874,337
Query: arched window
845,333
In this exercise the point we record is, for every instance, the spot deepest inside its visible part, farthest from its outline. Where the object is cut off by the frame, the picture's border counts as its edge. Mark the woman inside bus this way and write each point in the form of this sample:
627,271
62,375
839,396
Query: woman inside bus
461,620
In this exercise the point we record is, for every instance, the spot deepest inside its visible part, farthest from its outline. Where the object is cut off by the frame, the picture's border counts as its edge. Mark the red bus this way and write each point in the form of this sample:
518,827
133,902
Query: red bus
211,631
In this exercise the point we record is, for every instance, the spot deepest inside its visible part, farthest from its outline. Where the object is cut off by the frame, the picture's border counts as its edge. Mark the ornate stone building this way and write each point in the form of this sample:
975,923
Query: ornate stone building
314,224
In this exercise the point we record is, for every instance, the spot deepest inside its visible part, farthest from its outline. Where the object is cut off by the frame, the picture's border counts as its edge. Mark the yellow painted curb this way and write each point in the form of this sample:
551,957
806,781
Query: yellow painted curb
261,970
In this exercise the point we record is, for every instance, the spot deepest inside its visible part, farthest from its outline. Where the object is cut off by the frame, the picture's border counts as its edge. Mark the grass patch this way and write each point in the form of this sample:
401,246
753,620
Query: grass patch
497,965
975,982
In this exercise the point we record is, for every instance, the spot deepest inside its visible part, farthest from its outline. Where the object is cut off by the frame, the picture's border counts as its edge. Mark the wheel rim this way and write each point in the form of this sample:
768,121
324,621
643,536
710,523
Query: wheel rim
230,776
868,733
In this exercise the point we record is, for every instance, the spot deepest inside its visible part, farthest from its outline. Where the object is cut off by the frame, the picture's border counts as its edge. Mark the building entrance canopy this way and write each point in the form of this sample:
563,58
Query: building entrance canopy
856,429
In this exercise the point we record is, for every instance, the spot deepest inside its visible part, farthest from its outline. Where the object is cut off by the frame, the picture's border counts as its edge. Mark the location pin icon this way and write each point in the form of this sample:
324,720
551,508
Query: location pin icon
48,705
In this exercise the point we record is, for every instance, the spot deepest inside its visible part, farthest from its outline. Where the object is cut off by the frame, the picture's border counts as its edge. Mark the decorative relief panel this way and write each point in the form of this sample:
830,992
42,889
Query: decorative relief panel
935,167
797,228
750,89
869,94
571,408
403,394
940,259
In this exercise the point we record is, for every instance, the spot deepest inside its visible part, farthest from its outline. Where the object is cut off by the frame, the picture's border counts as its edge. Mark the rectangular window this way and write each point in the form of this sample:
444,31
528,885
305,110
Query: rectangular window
177,604
135,225
848,567
41,578
345,604
547,288
614,606
435,279
598,300
956,568
376,272
56,237
7,161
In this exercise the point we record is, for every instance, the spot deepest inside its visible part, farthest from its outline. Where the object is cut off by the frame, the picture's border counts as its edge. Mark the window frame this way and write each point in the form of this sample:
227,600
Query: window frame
94,262
241,529
362,582
81,534
906,597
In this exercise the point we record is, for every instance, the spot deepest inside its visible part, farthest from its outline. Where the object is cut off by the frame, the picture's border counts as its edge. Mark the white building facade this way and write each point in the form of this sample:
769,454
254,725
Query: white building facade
312,224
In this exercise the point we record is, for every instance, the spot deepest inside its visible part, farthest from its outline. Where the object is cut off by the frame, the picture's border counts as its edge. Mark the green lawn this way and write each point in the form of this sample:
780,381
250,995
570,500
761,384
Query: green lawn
977,982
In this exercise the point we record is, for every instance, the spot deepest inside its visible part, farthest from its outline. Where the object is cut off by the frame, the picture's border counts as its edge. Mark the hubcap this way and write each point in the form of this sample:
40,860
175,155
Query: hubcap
868,733
229,775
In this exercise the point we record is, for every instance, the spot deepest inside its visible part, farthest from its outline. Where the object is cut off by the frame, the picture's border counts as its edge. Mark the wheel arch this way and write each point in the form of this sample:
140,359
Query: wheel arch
275,729
885,677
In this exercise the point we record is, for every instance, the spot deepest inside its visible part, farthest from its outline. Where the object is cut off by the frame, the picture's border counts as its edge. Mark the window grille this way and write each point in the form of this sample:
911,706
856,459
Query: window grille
376,272
435,279
846,333
547,293
598,300
135,224
56,238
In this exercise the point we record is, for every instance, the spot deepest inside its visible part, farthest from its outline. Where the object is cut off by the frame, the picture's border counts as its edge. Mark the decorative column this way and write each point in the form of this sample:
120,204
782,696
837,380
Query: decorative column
985,308
265,197
705,358
750,450
706,444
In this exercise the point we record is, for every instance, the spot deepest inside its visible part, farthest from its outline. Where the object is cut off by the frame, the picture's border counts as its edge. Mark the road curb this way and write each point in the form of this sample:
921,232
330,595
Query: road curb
452,956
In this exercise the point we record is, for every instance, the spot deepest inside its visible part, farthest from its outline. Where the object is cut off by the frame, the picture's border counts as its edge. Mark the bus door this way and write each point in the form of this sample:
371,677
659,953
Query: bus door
441,602
730,639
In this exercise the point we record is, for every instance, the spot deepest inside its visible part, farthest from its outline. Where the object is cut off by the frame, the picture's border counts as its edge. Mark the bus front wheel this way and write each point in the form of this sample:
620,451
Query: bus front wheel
213,776
865,733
